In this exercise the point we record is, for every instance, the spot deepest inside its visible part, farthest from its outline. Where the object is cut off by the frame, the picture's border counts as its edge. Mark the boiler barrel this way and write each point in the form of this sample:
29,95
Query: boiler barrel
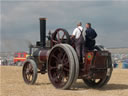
43,55
40,57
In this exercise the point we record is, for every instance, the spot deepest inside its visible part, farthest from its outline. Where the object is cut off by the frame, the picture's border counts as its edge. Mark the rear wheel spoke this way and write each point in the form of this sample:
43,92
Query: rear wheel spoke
53,67
63,57
66,64
55,57
66,69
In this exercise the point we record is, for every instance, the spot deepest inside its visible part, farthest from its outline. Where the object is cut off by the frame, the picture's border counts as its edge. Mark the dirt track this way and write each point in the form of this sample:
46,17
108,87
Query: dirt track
12,84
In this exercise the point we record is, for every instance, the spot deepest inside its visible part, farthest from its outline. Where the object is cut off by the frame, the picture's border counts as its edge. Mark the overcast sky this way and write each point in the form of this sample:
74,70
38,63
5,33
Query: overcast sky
20,21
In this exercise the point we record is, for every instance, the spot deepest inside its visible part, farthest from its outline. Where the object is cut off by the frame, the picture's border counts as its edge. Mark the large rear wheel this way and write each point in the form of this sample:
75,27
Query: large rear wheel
61,66
97,83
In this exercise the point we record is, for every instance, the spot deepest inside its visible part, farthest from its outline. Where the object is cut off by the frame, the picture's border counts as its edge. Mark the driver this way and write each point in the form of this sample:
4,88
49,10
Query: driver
79,36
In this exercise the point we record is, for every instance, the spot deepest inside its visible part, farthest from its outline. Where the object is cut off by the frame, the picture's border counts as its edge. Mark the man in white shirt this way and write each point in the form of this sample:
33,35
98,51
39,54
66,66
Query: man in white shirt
79,36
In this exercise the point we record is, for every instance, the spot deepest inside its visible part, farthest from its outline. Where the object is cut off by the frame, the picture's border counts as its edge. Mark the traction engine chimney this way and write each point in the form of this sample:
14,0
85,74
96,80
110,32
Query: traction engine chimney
42,31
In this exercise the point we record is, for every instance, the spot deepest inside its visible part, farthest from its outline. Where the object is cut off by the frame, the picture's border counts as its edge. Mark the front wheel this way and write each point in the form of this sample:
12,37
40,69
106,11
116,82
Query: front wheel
29,71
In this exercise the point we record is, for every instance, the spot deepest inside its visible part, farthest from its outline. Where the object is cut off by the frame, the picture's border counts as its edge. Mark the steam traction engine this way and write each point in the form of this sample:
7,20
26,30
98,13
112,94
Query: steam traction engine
61,62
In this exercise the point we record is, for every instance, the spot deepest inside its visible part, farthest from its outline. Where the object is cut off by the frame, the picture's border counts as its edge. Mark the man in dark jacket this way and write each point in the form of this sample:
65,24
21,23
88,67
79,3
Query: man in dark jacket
90,36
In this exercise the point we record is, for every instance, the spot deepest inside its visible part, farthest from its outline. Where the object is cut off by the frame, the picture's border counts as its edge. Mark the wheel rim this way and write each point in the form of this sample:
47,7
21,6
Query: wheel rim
60,36
76,62
28,72
58,67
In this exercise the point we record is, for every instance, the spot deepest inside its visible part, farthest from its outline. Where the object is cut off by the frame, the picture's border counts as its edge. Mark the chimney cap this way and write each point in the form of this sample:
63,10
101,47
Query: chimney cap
43,18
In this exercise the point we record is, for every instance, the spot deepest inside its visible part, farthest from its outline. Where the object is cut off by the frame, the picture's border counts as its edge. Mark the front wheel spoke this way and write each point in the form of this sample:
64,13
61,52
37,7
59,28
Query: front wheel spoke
61,76
55,75
29,77
55,78
27,71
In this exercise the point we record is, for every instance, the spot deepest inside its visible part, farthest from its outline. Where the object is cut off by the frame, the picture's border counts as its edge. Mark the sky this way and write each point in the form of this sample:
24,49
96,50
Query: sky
19,22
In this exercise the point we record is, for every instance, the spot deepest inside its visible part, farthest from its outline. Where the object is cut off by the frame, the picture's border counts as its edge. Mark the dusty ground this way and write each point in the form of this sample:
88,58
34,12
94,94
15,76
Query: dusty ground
12,84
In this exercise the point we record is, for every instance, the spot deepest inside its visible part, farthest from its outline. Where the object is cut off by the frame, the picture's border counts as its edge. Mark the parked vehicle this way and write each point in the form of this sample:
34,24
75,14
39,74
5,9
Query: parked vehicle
19,57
